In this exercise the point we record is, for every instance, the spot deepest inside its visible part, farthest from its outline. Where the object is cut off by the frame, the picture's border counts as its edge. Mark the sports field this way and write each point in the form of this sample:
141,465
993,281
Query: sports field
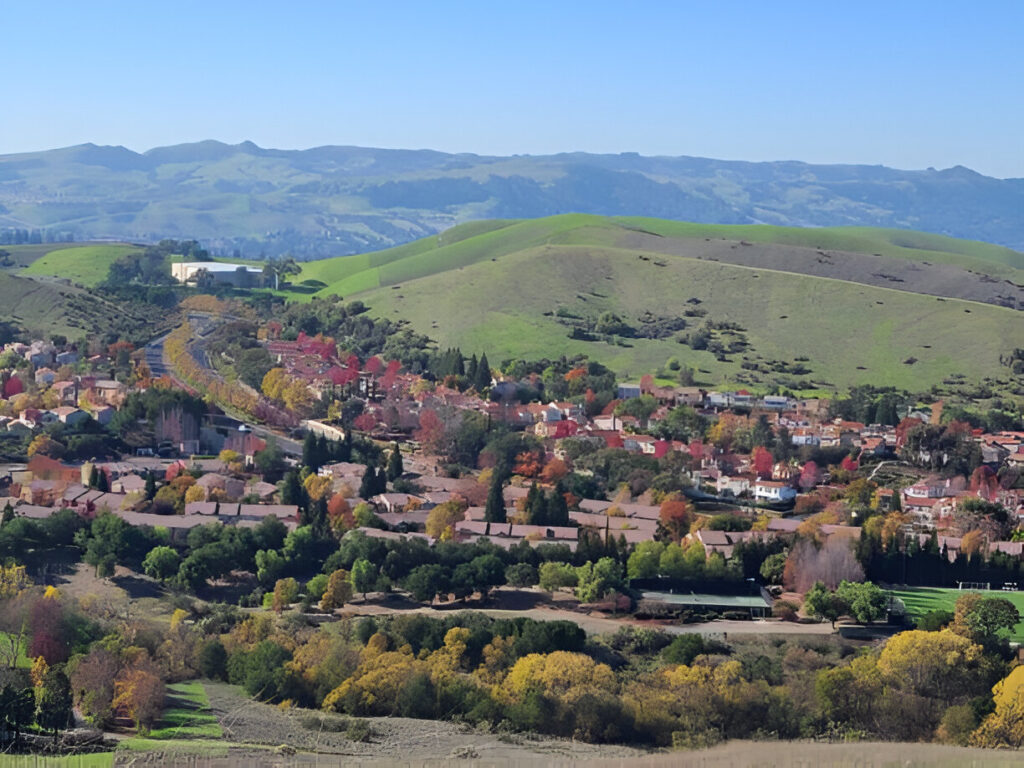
921,600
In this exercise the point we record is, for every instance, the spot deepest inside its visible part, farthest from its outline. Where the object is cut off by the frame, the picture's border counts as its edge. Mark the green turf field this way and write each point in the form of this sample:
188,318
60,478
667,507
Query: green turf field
187,715
82,264
921,600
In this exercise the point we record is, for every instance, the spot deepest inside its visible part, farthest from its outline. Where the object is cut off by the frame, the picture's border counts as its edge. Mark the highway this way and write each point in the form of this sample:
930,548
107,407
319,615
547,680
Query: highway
158,367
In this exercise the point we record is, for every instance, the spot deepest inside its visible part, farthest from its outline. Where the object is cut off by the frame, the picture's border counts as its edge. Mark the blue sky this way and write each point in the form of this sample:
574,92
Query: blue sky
906,84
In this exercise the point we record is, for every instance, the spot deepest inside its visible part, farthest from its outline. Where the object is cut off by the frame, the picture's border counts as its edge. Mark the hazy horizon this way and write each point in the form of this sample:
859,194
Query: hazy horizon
910,86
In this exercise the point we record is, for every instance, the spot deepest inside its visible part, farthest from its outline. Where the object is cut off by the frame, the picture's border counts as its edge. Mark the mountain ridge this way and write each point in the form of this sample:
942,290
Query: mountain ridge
340,200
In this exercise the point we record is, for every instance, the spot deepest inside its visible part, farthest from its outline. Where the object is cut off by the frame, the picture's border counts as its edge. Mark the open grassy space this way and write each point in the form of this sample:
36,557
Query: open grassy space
44,306
187,714
884,307
921,600
851,333
92,760
82,264
23,660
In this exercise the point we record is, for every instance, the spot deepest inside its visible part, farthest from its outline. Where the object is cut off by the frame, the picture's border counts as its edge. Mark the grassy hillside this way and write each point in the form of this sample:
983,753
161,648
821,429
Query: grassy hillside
896,243
503,290
45,306
82,264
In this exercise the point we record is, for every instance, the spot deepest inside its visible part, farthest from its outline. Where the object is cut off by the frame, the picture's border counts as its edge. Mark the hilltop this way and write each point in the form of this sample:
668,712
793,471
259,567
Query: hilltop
337,200
807,308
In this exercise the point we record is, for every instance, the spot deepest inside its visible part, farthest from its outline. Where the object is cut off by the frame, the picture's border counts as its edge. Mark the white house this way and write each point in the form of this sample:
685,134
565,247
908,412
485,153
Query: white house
772,490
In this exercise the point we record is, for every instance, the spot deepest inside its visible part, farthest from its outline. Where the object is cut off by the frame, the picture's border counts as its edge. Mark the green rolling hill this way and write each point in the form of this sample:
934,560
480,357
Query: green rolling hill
86,265
818,308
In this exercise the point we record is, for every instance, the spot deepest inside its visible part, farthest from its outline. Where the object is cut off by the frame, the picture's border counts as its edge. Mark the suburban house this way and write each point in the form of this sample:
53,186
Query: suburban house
773,490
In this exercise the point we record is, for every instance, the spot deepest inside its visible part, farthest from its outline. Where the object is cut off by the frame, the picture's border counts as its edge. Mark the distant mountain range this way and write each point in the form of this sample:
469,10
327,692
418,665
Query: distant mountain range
331,201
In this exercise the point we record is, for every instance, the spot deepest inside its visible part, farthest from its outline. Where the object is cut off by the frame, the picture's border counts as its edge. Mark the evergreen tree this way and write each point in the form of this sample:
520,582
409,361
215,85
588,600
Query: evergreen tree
323,451
471,369
316,516
8,514
94,477
150,486
494,511
55,701
482,379
536,507
368,485
395,465
557,508
381,485
292,491
345,454
102,483
309,451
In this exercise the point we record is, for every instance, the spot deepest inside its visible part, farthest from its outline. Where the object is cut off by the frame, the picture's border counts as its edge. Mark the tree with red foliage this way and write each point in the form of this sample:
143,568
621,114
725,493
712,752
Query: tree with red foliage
849,464
339,514
388,379
365,422
810,476
646,383
676,516
984,482
904,428
554,471
431,433
527,464
576,373
763,461
47,624
13,386
374,365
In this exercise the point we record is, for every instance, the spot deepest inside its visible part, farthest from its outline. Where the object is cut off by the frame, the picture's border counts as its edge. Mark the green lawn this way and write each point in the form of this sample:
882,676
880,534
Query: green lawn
23,660
187,715
93,760
83,264
921,600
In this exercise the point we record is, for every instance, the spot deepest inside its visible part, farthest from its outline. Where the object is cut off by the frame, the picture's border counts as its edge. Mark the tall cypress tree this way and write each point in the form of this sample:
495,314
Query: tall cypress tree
536,507
150,486
309,451
494,511
396,467
471,369
368,485
557,508
482,380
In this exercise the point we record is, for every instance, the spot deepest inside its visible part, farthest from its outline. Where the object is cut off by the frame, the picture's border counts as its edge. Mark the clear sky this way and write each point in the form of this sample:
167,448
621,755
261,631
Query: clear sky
905,84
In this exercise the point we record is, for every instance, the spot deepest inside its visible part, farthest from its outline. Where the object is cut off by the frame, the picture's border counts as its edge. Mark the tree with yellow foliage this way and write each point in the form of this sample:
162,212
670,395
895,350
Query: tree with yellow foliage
940,665
317,486
44,445
442,519
338,591
13,579
274,382
195,493
38,671
1005,726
